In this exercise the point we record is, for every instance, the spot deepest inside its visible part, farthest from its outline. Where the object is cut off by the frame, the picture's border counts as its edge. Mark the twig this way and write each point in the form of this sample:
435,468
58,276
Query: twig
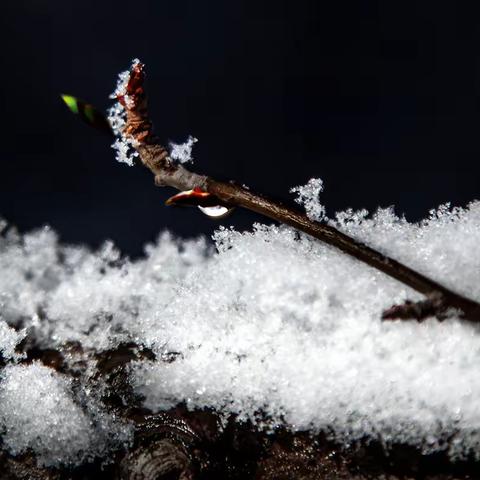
167,173
432,306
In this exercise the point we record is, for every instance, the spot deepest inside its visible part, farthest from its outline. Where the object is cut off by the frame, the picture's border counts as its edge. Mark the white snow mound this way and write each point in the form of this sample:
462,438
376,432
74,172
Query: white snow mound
272,322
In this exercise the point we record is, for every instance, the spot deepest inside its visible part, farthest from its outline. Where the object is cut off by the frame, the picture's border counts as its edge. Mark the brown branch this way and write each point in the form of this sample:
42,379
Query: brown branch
432,306
167,173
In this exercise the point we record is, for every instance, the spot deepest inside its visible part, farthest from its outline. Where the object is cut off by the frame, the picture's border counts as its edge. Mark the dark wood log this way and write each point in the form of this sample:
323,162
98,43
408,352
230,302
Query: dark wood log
189,445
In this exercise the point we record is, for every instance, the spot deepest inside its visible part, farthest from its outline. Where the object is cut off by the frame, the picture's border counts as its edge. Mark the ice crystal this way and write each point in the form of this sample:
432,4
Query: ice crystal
124,151
308,196
123,146
37,411
9,339
122,81
182,152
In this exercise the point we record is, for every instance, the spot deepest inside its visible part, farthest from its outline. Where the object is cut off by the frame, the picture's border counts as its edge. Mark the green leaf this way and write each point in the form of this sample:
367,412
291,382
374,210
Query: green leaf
70,102
88,113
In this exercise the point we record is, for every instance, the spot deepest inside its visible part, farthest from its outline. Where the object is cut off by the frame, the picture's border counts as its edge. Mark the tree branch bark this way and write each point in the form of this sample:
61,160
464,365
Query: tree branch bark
167,173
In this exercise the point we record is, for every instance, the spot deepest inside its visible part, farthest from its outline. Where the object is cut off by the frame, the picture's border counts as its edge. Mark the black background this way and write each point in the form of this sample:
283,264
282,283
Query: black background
380,100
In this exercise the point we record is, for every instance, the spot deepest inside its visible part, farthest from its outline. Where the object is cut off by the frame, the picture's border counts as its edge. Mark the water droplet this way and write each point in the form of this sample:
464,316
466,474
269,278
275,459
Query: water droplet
218,211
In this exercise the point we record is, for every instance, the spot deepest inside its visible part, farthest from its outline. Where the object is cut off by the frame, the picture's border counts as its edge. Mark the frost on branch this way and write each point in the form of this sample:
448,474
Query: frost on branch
123,146
271,322
308,196
182,152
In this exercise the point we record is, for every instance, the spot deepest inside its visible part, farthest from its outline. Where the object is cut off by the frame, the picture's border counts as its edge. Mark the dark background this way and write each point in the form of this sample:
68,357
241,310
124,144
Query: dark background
379,99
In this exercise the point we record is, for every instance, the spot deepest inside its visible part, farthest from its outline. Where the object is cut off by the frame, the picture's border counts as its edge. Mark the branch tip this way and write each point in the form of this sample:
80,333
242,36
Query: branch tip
433,306
195,197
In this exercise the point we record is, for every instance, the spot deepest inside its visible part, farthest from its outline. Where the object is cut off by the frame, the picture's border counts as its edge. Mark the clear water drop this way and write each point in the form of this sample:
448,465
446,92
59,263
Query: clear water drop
217,211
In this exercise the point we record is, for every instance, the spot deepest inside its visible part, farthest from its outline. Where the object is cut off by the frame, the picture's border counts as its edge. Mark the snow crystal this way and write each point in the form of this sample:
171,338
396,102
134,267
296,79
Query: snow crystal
182,152
123,146
124,151
122,80
9,339
34,402
308,196
116,117
37,411
273,322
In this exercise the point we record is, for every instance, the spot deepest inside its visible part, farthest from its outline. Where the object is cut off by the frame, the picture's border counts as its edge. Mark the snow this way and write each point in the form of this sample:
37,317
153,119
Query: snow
308,196
37,411
123,146
182,152
124,152
50,411
122,81
9,339
270,322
